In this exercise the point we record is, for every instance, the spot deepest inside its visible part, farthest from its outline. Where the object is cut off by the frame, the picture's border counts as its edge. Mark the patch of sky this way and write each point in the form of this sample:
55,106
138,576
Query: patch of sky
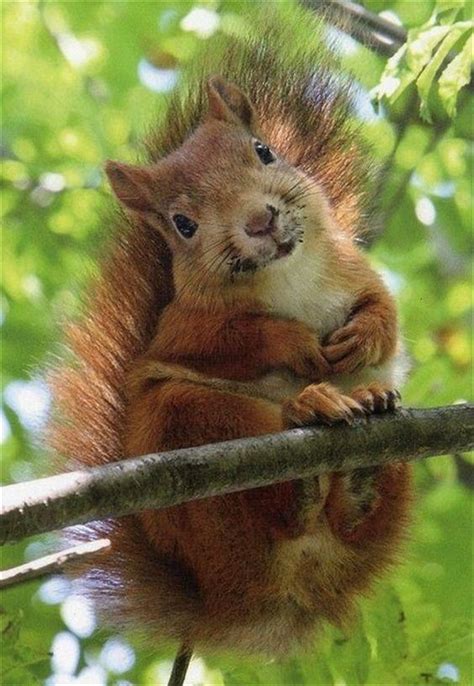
201,21
341,41
5,431
167,19
443,189
117,656
55,590
52,182
60,679
364,107
95,676
425,211
30,400
394,281
78,52
155,78
448,671
65,653
78,615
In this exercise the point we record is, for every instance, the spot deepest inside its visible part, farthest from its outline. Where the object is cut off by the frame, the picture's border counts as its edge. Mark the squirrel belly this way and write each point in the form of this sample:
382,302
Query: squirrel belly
234,302
273,562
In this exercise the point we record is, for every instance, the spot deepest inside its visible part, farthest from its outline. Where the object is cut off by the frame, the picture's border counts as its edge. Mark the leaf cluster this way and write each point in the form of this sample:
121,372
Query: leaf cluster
438,57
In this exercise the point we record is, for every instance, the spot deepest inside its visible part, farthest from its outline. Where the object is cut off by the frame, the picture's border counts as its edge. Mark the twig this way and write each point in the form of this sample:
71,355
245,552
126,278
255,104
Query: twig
465,471
50,564
166,479
180,666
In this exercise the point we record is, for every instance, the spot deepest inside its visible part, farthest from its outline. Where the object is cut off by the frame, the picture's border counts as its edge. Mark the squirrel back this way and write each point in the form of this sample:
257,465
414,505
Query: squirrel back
305,106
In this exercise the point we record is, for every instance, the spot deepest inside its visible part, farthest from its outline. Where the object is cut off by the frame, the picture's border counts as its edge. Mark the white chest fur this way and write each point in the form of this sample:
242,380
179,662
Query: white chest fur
300,289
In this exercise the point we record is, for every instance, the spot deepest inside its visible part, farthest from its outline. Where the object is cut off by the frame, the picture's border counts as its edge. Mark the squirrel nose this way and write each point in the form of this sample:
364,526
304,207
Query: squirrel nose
263,222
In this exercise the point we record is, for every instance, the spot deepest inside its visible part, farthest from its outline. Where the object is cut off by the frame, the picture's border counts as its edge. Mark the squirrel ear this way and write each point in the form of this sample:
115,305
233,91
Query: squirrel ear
132,185
229,103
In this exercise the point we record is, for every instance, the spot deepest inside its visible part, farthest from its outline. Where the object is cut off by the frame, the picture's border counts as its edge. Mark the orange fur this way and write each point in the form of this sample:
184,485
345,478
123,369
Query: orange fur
240,343
265,317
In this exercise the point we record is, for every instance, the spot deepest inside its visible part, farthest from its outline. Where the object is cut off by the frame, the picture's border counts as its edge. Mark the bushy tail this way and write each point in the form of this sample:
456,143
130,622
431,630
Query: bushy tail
129,585
120,315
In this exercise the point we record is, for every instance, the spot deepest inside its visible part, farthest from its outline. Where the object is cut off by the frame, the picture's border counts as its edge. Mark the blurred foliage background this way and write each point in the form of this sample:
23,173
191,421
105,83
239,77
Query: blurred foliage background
81,82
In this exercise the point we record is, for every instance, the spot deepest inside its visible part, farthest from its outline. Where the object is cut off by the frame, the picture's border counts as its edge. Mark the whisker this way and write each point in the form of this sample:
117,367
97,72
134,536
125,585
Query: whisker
222,239
277,175
292,188
301,190
194,276
198,278
211,269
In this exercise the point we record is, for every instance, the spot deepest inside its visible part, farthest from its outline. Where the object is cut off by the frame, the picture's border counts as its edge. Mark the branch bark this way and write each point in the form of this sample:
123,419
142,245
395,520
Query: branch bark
166,479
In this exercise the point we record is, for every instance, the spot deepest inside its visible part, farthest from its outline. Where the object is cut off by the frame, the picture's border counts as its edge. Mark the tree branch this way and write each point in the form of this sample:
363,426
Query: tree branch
51,564
380,35
165,479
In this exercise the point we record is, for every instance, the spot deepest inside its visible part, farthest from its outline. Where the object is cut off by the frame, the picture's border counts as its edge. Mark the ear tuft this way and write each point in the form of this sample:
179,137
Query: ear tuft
228,103
132,185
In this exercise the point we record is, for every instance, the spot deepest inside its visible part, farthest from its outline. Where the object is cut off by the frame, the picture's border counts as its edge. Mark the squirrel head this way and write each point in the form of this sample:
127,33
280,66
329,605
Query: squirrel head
227,205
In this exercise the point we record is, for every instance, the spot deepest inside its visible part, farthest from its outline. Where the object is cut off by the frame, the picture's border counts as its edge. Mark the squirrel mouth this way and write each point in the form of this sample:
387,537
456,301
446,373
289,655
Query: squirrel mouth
239,265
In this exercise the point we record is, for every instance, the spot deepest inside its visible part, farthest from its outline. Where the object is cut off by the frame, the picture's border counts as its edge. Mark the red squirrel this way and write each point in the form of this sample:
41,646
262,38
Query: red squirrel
235,302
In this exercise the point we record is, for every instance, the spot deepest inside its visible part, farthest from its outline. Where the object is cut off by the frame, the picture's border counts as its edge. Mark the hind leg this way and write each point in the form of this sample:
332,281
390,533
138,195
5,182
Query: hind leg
358,493
354,496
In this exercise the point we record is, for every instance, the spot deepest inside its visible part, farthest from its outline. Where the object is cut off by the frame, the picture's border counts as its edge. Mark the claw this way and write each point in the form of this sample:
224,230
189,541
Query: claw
376,398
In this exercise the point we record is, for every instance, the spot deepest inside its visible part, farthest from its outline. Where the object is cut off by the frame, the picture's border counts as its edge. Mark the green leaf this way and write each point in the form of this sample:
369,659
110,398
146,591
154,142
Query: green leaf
408,62
385,624
444,5
10,628
350,656
390,81
456,75
425,80
451,641
449,10
17,656
420,49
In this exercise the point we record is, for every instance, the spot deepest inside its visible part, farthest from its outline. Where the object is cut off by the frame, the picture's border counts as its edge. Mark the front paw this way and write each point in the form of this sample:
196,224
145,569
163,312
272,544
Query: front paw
320,404
352,347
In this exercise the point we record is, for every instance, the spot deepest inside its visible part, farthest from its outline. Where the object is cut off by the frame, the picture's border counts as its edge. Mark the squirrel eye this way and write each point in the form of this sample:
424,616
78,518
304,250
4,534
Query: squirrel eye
185,226
264,152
